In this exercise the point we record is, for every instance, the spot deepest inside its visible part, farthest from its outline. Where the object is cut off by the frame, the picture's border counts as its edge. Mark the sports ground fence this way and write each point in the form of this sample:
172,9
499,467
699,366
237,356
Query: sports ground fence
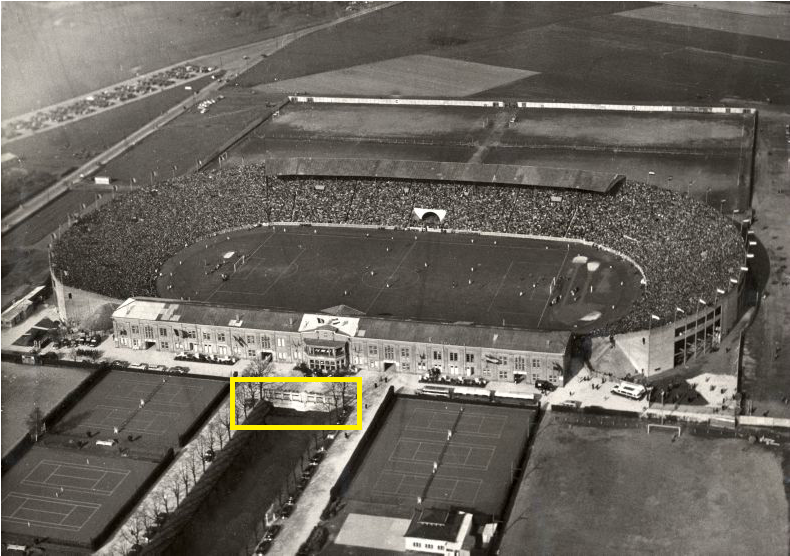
520,104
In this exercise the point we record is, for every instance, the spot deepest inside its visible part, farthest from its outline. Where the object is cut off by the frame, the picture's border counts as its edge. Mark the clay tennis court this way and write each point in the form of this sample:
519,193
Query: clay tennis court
473,466
172,403
68,496
313,268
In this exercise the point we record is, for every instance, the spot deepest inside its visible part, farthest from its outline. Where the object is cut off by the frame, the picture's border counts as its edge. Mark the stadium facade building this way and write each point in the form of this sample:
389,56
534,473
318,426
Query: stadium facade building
341,337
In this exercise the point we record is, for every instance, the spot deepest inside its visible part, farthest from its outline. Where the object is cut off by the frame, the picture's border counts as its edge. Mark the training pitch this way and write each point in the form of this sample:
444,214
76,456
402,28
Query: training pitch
474,468
468,278
67,496
619,490
172,404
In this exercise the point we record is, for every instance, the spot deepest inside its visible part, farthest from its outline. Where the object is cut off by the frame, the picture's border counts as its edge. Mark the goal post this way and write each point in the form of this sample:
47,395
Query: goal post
660,427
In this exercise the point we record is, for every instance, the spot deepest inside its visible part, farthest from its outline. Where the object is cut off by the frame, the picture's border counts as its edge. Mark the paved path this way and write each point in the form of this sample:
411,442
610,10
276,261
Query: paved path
296,529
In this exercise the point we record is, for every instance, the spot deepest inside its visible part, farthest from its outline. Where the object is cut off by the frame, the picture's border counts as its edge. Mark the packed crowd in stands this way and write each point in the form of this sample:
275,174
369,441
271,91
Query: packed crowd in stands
686,249
115,95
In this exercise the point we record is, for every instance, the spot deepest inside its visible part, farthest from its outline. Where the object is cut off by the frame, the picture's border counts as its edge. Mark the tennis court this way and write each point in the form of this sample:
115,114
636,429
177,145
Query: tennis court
443,452
152,409
68,496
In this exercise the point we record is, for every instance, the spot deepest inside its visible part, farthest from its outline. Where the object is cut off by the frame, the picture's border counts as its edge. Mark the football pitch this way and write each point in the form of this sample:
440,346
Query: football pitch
602,486
428,276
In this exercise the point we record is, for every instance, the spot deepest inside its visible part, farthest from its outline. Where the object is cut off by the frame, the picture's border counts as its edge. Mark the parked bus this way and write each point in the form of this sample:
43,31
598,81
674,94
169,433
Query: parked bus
629,390
436,390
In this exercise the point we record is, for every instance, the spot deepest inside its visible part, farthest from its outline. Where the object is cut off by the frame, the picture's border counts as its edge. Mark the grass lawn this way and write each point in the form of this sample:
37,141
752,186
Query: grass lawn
24,386
591,490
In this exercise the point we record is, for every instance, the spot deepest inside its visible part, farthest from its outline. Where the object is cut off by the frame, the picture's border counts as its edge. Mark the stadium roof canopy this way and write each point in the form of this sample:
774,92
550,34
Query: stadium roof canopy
504,174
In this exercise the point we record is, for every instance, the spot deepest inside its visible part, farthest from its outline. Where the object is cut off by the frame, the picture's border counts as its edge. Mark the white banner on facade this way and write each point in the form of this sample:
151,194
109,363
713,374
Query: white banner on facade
344,325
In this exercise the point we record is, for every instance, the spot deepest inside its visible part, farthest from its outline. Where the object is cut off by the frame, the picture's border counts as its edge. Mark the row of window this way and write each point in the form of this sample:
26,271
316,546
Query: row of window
520,363
251,340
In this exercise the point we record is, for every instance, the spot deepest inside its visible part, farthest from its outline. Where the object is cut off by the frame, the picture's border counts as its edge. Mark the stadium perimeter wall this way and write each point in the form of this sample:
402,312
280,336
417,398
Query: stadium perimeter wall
82,308
398,101
657,353
522,104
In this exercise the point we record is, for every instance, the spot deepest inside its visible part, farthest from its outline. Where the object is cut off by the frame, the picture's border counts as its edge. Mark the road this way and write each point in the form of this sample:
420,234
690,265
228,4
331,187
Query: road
233,61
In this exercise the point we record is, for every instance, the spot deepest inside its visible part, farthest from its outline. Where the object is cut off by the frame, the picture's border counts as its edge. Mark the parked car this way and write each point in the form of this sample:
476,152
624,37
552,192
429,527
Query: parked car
309,472
157,368
272,531
288,507
209,455
139,367
318,457
263,547
179,369
119,364
545,385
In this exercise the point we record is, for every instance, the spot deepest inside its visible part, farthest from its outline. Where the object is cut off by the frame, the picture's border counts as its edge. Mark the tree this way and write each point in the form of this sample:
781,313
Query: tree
223,419
239,402
215,434
35,423
174,487
136,527
192,462
161,501
259,369
202,444
183,474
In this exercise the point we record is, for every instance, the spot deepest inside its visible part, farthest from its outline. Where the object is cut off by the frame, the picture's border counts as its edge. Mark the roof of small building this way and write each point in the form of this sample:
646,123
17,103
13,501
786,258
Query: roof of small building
435,524
464,334
199,312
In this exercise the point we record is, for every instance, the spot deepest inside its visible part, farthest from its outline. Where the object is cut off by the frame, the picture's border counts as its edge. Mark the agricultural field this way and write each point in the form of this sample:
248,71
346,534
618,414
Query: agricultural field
616,489
410,76
191,139
591,52
56,51
54,153
706,155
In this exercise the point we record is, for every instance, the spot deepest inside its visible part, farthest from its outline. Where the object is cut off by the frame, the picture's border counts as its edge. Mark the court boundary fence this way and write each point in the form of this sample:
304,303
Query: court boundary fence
53,415
352,466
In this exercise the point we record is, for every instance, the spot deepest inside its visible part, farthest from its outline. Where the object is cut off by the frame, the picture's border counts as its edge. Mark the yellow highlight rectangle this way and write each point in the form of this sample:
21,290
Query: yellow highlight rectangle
235,427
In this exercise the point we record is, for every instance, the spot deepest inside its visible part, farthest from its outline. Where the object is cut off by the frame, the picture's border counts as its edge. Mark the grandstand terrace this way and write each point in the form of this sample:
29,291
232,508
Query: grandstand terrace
501,174
687,251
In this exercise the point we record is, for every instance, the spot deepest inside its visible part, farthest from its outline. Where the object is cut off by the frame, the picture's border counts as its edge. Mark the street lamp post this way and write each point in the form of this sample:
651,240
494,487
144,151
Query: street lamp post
704,326
649,328
685,336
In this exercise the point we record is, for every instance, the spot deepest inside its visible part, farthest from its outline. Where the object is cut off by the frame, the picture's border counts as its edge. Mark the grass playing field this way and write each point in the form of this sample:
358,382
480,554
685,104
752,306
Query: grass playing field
607,490
473,466
171,405
24,386
66,496
468,278
706,155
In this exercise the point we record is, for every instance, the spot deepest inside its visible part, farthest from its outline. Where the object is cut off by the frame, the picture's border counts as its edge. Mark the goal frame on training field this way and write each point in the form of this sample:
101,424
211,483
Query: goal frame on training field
662,426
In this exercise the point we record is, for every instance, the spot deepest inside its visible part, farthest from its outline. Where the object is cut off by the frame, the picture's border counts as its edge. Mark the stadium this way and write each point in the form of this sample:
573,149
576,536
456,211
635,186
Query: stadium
429,253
